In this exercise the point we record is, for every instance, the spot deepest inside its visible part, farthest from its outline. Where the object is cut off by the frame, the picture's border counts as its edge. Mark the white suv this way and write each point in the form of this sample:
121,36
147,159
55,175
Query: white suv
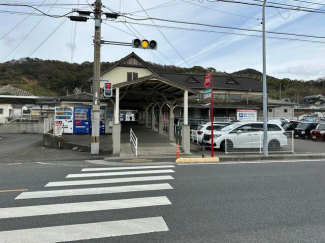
246,135
198,132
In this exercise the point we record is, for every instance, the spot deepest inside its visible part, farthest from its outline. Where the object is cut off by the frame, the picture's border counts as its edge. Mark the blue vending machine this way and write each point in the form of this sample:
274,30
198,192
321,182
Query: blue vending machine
82,123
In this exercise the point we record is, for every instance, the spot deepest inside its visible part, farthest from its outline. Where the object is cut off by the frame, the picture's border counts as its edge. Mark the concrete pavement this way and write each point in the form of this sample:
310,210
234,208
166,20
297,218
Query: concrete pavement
251,202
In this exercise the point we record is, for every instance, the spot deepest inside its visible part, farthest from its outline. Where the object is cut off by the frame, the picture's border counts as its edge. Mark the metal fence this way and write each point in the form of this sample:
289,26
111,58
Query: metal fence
249,143
134,142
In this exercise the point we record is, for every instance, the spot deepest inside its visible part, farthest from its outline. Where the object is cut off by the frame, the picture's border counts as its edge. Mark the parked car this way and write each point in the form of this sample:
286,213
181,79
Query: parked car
197,133
318,133
303,129
246,135
288,127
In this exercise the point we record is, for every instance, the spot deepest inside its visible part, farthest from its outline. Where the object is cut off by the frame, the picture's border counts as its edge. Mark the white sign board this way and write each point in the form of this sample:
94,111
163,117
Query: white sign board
247,115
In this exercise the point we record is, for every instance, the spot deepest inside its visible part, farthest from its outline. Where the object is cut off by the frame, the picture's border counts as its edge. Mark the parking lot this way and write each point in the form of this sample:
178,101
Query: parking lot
301,146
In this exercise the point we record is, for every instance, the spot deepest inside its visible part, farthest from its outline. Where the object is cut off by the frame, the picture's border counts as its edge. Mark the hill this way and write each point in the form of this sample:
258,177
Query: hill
51,77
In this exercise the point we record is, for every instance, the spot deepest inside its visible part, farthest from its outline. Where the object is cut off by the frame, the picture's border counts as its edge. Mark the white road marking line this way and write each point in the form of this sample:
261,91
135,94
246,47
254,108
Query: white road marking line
128,168
119,173
17,212
88,231
255,162
108,181
93,191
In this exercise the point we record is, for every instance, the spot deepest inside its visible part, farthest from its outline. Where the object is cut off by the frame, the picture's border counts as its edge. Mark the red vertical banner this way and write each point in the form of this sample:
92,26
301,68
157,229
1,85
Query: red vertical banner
208,82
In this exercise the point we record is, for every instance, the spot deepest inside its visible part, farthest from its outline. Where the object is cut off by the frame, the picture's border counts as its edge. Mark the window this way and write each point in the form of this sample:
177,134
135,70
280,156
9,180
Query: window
219,96
270,110
273,127
285,110
1,111
132,76
129,78
234,97
244,128
257,127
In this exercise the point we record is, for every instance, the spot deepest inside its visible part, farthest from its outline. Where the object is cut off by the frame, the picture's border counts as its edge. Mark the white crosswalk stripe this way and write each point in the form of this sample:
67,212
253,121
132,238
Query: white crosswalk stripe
129,168
119,173
85,231
88,231
92,191
62,208
108,181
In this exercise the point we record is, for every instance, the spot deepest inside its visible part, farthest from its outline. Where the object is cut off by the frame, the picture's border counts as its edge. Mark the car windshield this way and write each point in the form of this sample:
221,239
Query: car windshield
303,125
320,127
230,127
287,125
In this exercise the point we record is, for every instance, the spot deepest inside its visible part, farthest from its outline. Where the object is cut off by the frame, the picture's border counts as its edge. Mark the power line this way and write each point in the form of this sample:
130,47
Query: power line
49,36
311,3
222,32
29,6
219,11
19,23
225,27
163,35
298,8
28,33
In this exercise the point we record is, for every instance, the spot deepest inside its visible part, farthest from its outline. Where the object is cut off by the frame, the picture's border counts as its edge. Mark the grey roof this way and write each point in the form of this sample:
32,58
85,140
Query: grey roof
195,81
14,91
280,102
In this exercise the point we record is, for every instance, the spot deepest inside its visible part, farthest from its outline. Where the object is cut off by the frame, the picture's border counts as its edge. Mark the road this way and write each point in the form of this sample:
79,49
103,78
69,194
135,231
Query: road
222,202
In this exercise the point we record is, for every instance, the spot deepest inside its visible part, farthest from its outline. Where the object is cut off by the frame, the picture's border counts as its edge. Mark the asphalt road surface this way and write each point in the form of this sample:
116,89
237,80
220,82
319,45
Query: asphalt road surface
223,202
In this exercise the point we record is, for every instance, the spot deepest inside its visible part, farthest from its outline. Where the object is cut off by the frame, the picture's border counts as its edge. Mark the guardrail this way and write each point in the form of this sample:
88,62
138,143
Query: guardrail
134,142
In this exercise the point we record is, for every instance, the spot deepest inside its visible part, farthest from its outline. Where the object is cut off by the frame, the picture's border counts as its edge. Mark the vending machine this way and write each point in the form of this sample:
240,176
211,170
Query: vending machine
81,124
64,115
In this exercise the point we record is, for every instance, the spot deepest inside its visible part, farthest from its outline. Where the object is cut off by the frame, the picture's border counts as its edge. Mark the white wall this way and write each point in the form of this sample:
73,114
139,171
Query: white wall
119,74
278,112
6,108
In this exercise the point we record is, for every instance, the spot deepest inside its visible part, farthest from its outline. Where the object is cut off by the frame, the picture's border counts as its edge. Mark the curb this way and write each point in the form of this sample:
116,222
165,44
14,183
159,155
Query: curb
197,160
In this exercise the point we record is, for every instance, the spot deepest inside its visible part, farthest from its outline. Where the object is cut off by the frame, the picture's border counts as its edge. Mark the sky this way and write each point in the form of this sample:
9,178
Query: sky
61,39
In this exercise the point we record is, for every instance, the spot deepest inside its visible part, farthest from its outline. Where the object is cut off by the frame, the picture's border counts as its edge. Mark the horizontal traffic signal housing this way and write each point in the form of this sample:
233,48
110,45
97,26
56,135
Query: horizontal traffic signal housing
144,44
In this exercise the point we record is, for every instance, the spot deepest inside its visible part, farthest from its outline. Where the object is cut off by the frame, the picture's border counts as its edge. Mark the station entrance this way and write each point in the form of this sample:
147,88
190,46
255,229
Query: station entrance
154,98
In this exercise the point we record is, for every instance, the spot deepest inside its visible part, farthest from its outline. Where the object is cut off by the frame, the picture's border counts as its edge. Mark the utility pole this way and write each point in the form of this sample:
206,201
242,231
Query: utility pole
265,141
96,81
280,91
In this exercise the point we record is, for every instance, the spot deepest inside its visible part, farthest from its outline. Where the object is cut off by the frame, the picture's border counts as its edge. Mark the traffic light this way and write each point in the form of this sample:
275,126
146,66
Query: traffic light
108,90
144,44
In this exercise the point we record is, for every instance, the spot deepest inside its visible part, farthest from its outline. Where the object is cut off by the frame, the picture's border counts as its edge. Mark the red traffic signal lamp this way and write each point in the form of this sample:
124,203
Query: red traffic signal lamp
144,44
108,90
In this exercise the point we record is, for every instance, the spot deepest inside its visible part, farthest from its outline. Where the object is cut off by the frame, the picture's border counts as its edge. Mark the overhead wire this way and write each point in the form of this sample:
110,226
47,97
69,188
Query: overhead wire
223,27
164,35
28,34
222,32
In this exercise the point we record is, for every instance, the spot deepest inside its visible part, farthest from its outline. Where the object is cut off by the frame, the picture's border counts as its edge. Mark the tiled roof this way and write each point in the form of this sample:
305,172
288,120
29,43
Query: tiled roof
77,97
14,91
195,81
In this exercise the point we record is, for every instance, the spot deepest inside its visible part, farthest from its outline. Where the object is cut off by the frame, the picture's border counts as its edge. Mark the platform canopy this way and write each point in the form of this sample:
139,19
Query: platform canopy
150,89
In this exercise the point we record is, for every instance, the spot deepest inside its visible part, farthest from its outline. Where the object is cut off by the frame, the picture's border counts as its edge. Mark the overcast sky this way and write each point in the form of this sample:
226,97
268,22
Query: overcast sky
73,42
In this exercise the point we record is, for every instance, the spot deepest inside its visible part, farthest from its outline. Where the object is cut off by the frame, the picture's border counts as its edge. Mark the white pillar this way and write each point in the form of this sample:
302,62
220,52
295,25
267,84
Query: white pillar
117,125
185,107
146,122
171,123
153,121
160,121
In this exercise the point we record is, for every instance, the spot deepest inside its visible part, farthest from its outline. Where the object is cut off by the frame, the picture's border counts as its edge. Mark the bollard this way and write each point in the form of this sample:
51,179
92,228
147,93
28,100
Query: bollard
177,151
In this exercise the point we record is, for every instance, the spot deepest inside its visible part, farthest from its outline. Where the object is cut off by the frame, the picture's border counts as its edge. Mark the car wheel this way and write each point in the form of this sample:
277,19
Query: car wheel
274,145
223,146
230,145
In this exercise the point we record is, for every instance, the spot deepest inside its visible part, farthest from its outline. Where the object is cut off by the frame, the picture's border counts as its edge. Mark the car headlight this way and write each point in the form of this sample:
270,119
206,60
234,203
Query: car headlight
322,132
218,135
303,132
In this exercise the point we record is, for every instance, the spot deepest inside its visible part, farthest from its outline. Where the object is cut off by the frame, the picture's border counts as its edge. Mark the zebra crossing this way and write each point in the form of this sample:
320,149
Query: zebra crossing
93,230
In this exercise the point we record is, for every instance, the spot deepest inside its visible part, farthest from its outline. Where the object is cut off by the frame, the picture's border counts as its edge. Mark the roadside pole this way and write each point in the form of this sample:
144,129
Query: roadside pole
96,83
265,143
208,84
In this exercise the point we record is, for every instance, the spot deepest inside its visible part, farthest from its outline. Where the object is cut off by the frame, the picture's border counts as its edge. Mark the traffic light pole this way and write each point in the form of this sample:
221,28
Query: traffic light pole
96,81
265,99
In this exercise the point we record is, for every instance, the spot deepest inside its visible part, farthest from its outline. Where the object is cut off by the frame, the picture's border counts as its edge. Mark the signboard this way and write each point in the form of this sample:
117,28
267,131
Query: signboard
207,93
247,115
207,80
